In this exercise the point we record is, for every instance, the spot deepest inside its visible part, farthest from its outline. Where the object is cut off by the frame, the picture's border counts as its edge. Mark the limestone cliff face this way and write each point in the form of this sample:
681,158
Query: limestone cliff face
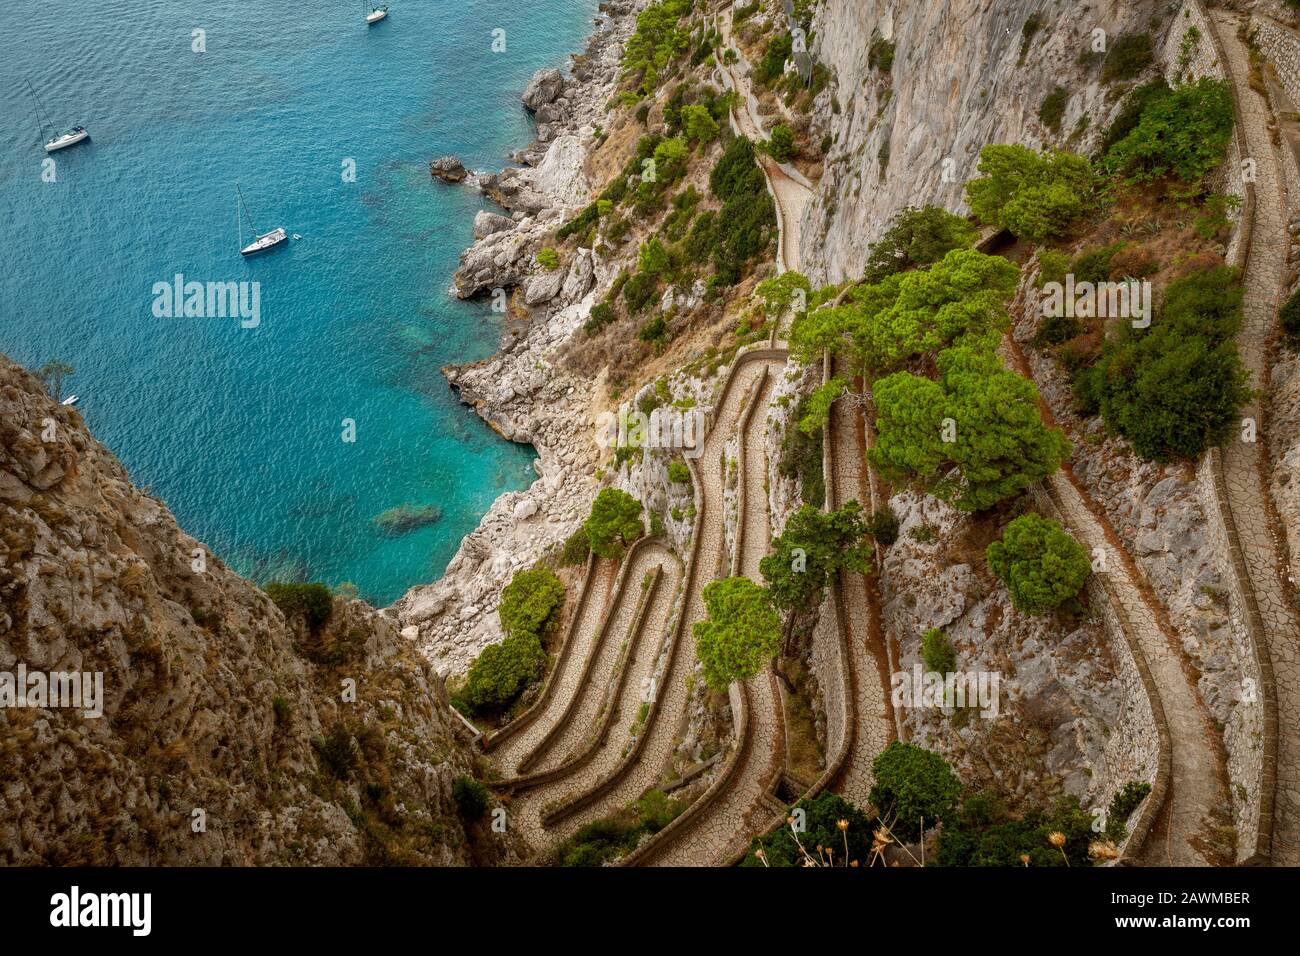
964,75
213,702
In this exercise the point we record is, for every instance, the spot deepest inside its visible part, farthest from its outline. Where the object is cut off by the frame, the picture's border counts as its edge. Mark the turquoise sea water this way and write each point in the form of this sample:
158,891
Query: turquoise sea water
239,430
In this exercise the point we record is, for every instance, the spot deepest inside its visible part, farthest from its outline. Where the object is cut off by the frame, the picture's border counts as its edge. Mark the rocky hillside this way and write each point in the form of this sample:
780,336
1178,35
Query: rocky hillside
911,134
226,735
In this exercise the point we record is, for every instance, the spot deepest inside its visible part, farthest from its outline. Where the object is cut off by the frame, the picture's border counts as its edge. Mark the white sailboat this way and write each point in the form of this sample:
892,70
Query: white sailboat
58,140
375,15
260,242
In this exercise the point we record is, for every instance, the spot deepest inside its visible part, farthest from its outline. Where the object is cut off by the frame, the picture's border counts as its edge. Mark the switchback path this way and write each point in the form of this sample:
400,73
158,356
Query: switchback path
1245,463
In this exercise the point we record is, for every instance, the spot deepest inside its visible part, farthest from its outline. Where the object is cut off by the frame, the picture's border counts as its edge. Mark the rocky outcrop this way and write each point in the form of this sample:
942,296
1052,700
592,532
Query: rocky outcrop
228,735
912,136
522,392
543,88
448,169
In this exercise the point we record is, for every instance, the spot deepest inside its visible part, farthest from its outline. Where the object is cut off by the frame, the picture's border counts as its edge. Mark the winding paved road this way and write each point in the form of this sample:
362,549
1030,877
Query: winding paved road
1245,464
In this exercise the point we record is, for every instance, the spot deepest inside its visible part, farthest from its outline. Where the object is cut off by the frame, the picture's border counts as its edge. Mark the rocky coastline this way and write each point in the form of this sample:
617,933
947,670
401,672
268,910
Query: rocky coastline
521,392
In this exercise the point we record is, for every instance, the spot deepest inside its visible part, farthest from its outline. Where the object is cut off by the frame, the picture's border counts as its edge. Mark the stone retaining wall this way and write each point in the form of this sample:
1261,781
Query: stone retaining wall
1139,747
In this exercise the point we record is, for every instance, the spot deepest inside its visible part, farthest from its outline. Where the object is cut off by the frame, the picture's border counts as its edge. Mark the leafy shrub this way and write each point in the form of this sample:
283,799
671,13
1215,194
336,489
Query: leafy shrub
880,54
1183,132
1053,108
548,259
812,549
1052,266
917,237
471,798
1126,800
1135,103
772,65
656,42
656,810
913,785
502,672
598,842
639,291
530,603
1094,265
781,146
1128,57
743,229
883,526
679,472
1173,389
313,602
1034,195
740,633
602,314
576,548
984,832
1040,562
337,752
1289,319
699,124
801,458
937,652
821,815
614,523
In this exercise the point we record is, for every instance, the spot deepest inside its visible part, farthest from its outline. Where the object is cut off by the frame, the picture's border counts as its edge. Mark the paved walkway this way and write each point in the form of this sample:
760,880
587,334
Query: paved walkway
619,680
1198,781
736,808
790,195
517,747
870,709
1244,464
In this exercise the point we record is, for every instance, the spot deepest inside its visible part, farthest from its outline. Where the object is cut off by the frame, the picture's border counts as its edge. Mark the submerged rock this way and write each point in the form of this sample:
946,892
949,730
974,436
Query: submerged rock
406,518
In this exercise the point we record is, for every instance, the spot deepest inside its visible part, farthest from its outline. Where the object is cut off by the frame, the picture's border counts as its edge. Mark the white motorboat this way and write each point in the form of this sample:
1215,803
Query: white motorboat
261,241
71,400
376,14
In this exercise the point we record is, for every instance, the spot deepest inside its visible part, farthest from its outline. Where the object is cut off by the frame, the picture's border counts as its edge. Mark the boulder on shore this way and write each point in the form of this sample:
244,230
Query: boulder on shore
449,169
543,88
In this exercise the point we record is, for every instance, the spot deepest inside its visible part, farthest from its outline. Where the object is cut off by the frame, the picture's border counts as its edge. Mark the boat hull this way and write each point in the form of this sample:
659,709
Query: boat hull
68,139
375,16
262,243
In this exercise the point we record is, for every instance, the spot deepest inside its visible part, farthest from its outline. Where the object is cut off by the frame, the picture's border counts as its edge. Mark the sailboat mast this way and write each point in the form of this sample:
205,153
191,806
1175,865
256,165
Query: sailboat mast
40,111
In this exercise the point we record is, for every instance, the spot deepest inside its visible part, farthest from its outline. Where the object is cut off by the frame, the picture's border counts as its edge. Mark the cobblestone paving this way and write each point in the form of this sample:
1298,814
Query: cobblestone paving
583,631
1243,463
790,195
873,725
665,729
1196,785
578,733
737,811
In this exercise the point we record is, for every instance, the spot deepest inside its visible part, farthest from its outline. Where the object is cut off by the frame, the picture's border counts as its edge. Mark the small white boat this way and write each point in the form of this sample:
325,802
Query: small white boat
376,14
71,138
59,140
262,241
71,400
